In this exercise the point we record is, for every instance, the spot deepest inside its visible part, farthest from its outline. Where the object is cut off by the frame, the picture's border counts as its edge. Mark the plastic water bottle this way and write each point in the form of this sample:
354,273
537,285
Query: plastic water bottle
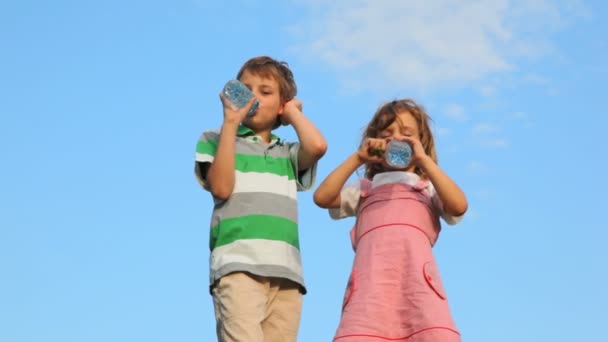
398,154
238,93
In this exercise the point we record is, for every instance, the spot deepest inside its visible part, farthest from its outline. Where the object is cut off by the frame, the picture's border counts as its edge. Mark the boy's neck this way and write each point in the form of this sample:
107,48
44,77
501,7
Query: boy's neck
264,134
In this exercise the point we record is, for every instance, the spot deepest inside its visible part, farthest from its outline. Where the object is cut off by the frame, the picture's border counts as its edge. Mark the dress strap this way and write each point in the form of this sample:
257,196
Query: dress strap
365,186
421,185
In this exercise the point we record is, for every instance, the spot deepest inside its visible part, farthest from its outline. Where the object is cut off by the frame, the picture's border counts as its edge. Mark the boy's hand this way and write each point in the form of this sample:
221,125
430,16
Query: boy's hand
291,108
232,114
372,150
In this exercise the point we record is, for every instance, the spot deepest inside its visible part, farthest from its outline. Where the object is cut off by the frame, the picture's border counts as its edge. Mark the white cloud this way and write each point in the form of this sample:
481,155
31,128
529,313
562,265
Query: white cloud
486,135
431,43
456,112
536,79
518,116
493,143
472,214
484,194
485,128
476,167
521,119
442,132
487,91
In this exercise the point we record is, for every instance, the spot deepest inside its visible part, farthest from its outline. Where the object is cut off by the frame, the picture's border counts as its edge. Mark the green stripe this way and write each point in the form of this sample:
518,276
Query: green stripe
207,147
254,227
279,166
244,131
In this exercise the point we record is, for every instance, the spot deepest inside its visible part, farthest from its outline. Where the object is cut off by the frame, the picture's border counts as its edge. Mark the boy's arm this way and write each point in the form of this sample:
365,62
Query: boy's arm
327,194
220,175
312,142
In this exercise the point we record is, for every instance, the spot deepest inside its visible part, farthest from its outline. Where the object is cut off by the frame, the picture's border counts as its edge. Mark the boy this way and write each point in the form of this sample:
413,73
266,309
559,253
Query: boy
255,267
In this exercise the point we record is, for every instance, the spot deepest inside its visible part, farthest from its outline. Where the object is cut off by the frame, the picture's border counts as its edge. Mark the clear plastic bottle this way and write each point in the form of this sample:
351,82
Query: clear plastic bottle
238,93
398,154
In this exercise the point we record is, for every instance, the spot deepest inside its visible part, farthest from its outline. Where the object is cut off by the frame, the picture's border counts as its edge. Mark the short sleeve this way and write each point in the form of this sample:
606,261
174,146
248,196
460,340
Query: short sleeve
206,148
438,206
305,179
349,201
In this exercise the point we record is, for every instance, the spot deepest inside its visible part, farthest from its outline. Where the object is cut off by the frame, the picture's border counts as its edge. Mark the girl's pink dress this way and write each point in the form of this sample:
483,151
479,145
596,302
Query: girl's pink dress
394,292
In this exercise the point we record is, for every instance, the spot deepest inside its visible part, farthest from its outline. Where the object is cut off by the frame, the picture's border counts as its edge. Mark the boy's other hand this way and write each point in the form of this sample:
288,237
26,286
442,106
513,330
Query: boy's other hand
291,108
233,114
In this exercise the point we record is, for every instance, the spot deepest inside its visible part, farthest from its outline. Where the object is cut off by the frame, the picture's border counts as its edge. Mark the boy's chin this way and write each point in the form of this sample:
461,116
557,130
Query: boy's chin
258,125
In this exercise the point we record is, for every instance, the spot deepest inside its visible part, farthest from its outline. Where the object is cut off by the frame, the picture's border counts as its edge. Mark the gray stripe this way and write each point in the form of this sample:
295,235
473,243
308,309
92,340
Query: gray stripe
244,146
259,270
279,150
209,135
255,203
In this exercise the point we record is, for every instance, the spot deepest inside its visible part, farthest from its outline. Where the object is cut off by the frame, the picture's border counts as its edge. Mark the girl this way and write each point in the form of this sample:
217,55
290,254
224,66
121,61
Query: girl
394,292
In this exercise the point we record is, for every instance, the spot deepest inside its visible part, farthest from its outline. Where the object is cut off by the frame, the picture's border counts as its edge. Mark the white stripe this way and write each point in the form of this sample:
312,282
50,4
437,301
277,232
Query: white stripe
265,182
257,252
200,157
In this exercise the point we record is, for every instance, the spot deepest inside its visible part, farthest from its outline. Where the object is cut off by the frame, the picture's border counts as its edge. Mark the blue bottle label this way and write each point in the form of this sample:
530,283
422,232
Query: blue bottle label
398,154
238,93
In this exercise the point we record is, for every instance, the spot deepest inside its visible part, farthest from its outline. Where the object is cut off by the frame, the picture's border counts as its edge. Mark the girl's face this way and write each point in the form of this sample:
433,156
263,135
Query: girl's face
404,125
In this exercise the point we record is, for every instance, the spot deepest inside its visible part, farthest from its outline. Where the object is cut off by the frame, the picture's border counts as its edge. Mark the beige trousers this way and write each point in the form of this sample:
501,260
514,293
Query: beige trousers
250,308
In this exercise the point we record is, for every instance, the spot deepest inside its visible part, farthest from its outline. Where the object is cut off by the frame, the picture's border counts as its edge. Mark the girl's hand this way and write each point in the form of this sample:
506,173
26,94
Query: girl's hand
372,150
233,114
419,156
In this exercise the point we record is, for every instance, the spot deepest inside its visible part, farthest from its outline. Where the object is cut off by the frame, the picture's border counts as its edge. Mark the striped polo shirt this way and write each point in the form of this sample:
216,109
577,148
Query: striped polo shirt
256,229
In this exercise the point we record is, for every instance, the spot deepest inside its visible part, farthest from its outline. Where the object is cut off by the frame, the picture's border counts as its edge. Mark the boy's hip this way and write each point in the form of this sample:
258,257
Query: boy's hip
249,307
275,269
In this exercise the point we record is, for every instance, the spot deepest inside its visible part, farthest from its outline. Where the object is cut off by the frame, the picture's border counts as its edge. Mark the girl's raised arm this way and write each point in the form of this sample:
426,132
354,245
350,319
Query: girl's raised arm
327,194
453,198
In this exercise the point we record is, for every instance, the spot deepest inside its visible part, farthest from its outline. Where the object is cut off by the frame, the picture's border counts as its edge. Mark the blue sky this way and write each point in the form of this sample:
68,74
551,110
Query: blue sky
104,230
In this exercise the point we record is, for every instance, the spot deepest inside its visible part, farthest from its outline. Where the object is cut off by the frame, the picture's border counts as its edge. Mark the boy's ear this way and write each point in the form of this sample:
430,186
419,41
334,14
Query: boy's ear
282,108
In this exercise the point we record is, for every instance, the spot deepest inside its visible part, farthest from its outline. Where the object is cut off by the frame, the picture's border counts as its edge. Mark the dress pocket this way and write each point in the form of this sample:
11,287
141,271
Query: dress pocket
432,278
350,288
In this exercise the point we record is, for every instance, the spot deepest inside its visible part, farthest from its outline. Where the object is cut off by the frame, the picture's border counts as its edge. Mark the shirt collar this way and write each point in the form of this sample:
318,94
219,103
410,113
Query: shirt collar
404,177
244,131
